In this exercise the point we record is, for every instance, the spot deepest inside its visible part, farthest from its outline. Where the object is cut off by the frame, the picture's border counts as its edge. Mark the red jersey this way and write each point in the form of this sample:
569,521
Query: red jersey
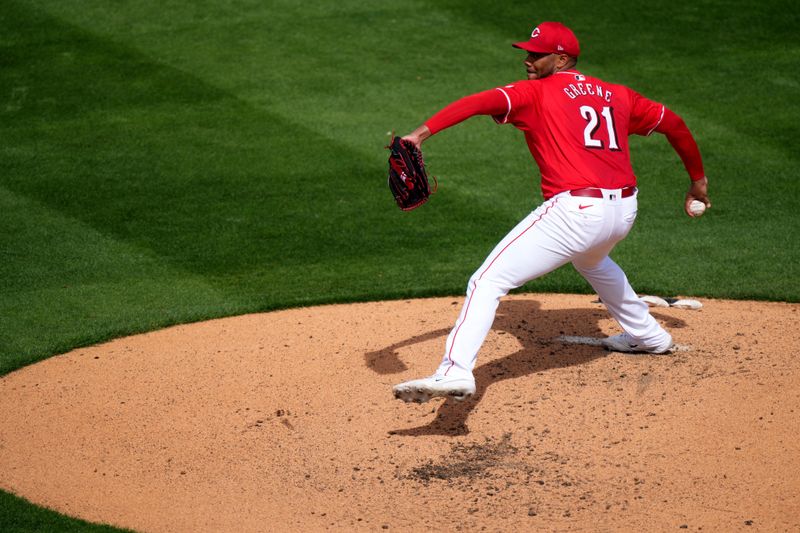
577,127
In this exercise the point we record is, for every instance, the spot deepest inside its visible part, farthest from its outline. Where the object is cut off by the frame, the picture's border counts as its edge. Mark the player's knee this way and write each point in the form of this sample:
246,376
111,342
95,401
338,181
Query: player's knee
585,270
493,284
592,265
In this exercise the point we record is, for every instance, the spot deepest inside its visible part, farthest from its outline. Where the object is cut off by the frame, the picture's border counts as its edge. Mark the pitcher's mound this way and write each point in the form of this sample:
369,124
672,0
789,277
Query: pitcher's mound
286,421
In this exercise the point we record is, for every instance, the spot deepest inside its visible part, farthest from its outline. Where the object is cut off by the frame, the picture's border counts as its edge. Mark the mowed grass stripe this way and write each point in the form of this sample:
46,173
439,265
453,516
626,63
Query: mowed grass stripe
216,188
65,285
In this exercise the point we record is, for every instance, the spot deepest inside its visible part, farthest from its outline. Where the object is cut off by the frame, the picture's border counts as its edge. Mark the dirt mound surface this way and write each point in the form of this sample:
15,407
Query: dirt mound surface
286,421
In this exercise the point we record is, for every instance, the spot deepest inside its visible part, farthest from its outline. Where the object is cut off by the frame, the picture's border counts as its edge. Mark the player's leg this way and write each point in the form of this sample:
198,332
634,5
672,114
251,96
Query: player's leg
611,283
632,314
533,248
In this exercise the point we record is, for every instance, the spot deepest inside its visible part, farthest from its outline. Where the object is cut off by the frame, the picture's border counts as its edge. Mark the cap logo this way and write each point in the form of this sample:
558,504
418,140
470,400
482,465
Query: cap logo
560,48
535,33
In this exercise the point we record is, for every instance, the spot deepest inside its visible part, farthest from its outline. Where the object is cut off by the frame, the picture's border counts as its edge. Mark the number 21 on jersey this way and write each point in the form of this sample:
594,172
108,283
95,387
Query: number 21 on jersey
592,119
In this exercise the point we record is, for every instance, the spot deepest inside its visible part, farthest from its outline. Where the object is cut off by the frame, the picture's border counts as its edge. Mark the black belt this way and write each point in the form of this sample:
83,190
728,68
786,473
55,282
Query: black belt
598,193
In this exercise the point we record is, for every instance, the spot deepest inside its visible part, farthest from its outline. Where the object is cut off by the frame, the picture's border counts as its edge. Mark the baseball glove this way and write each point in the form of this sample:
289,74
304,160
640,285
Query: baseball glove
408,179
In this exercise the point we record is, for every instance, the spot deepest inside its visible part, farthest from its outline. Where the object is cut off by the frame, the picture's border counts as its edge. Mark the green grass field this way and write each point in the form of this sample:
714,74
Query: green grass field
167,162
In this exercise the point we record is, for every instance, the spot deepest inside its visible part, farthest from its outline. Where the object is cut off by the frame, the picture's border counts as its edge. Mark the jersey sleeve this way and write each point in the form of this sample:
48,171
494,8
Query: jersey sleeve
645,116
517,96
490,102
682,141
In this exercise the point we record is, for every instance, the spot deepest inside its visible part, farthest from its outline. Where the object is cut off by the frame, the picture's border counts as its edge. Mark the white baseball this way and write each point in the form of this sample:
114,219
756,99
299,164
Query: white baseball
697,208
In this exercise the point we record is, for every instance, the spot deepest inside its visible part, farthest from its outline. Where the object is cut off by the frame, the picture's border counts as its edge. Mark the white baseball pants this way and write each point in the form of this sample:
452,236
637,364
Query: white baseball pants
577,229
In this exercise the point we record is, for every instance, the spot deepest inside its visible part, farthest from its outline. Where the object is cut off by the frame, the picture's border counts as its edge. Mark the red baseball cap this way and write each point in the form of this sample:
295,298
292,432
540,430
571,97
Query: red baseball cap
551,38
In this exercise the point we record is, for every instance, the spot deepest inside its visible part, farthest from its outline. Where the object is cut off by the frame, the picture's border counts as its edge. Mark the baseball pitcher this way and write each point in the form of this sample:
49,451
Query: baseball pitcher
576,127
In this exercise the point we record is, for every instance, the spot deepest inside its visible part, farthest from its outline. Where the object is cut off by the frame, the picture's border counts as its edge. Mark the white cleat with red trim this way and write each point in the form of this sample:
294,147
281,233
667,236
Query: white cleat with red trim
437,385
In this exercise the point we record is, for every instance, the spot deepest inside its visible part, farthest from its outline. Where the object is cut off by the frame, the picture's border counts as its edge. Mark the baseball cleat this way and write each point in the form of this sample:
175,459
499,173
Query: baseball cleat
422,390
654,301
627,344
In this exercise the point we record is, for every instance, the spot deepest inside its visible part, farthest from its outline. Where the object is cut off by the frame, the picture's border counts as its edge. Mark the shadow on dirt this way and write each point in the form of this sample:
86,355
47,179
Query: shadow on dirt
535,329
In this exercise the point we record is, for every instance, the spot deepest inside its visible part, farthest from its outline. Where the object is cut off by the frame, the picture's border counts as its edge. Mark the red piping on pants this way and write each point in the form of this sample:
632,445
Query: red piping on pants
475,283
